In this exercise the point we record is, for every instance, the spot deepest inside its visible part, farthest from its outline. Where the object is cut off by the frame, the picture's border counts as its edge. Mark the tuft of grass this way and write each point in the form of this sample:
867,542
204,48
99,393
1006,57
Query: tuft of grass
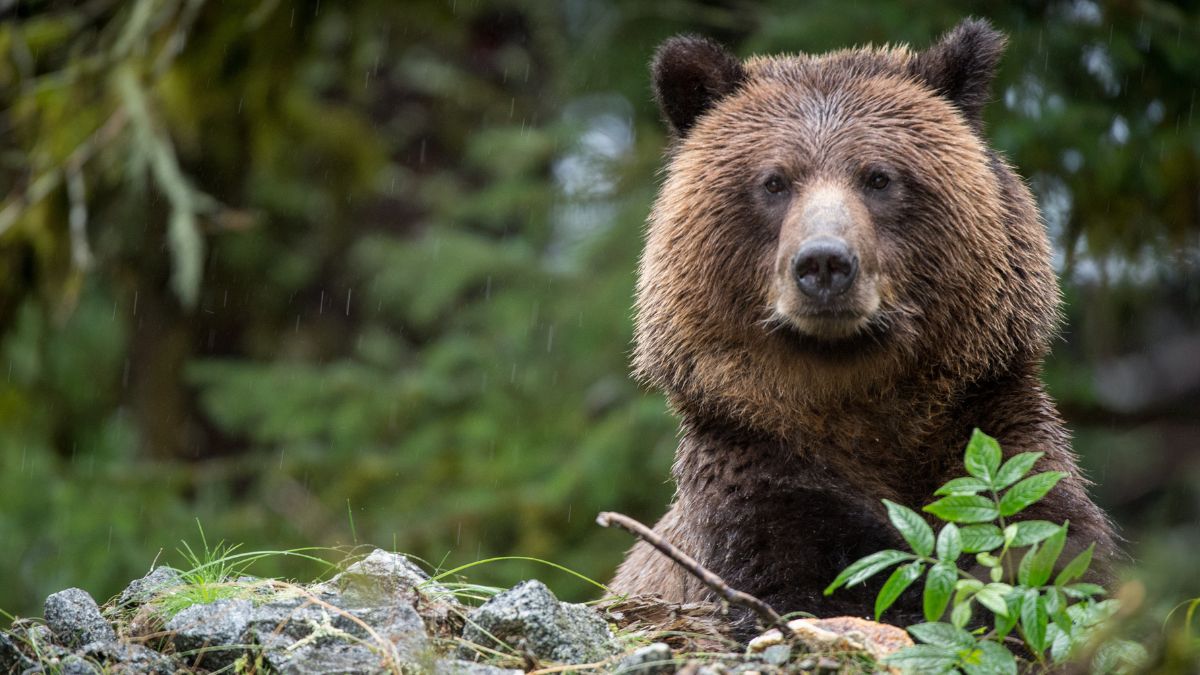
219,571
479,593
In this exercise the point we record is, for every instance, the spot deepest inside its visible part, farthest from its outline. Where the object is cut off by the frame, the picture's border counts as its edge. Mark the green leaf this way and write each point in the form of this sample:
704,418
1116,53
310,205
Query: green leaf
864,568
1041,564
992,598
966,587
900,580
922,659
939,585
1025,565
1029,532
949,543
979,538
962,486
942,635
990,658
1033,621
961,614
1083,590
1005,624
983,456
912,527
1060,644
1054,600
1017,466
1029,491
964,509
1075,569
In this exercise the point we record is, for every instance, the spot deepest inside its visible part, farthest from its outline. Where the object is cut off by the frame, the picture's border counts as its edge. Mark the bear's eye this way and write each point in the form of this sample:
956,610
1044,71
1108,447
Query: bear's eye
774,185
878,180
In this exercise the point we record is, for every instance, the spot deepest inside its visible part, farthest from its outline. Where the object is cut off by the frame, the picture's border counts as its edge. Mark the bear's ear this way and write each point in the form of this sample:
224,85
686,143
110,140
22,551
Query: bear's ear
690,75
961,66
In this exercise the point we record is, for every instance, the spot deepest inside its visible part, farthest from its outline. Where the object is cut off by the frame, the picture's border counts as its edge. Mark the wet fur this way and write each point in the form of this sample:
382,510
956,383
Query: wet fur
790,442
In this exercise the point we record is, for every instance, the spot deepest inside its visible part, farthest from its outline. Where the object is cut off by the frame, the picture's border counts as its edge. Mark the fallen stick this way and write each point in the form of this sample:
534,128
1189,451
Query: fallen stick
717,584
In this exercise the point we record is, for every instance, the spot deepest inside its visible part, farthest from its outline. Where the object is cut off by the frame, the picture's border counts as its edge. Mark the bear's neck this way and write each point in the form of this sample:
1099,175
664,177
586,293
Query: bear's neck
864,442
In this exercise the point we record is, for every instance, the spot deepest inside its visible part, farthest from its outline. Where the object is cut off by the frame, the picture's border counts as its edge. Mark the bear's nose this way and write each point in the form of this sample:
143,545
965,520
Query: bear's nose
824,268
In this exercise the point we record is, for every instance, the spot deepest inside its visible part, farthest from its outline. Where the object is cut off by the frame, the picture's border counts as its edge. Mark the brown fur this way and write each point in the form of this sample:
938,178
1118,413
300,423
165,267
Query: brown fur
794,427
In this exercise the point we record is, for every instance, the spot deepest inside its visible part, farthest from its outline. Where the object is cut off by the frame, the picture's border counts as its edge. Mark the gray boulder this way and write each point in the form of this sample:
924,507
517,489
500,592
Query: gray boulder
142,590
75,618
211,635
297,636
528,617
379,579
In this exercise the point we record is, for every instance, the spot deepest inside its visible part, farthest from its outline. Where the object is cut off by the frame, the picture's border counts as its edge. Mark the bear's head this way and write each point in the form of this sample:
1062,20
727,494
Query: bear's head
835,228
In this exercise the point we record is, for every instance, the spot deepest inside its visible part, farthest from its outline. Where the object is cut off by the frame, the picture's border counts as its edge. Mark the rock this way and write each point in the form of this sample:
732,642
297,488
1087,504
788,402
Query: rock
529,617
76,665
837,634
211,635
75,618
126,658
460,667
323,658
12,660
298,636
655,659
379,579
142,590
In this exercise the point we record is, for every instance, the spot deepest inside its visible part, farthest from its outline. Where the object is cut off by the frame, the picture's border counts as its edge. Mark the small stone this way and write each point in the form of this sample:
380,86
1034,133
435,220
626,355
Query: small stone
75,618
142,590
777,655
528,614
76,665
655,659
128,658
828,665
210,635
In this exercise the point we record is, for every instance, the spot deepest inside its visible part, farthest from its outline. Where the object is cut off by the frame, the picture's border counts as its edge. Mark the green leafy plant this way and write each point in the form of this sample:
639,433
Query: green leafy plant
1050,613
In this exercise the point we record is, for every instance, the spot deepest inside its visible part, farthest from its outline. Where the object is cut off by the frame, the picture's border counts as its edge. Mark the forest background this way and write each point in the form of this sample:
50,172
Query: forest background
346,273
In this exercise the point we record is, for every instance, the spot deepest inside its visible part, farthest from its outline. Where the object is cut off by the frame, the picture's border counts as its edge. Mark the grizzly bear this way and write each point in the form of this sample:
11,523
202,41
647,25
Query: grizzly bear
841,280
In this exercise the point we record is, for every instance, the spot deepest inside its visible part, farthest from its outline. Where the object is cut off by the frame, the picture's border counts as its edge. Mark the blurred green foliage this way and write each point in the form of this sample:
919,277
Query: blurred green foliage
261,264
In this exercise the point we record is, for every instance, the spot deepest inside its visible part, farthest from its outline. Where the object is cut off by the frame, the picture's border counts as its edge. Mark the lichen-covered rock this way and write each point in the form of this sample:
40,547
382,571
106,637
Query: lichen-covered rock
211,635
127,658
75,618
530,618
655,659
142,590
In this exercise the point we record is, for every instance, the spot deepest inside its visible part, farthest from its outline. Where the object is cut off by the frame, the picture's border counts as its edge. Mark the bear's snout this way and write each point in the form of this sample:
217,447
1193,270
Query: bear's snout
824,268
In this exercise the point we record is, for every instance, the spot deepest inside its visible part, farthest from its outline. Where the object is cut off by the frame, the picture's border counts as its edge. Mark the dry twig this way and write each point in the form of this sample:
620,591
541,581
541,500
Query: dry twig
764,611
